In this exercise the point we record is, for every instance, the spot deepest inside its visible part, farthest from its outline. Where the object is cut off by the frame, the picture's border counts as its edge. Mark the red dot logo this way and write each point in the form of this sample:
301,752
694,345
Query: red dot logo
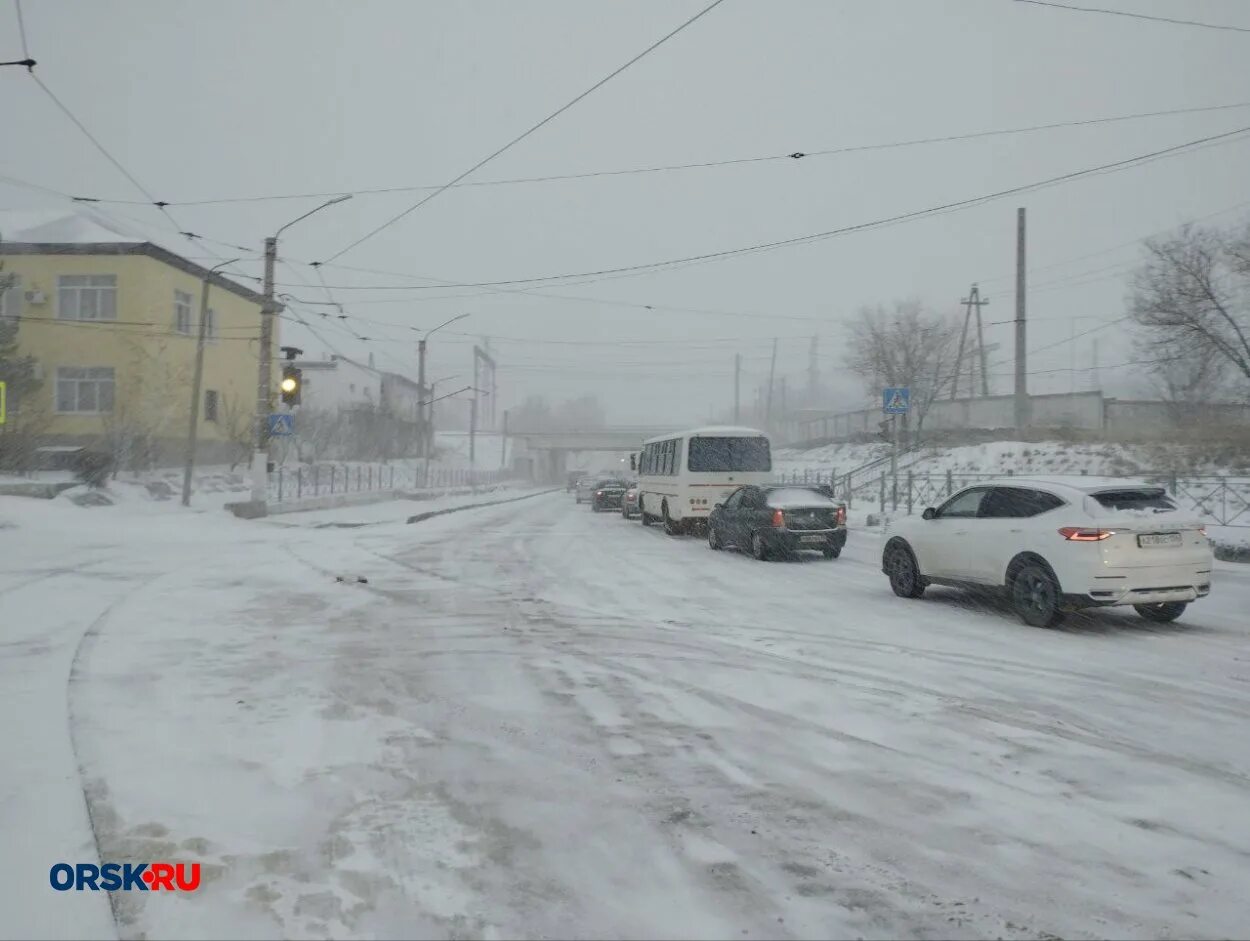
148,876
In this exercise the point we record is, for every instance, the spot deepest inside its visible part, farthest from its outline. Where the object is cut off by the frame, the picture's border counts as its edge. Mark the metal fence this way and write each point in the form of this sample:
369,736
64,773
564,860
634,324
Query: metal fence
303,482
1223,500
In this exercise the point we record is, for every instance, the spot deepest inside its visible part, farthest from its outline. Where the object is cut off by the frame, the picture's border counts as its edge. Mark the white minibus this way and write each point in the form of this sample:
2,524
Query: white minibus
681,476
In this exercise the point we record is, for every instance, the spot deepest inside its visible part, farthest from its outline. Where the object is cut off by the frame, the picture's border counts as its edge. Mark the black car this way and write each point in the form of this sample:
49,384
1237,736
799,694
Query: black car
608,493
779,520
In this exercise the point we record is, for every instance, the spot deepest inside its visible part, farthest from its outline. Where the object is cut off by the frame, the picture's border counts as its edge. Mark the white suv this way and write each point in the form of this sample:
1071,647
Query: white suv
1056,546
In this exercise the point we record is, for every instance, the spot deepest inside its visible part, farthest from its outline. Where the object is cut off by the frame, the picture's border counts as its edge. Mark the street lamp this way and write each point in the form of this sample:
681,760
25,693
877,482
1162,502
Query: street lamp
198,380
260,459
431,402
428,425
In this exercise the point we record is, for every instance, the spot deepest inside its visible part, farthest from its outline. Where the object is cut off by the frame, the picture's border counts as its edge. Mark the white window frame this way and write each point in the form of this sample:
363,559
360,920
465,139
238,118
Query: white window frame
78,287
15,292
182,312
210,325
90,375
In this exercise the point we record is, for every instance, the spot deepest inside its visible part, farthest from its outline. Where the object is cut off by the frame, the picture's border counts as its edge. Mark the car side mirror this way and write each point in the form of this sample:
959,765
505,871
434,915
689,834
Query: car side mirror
718,506
929,513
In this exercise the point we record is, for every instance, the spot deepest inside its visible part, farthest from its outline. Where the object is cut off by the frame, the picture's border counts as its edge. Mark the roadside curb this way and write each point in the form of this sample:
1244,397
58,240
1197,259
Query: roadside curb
420,517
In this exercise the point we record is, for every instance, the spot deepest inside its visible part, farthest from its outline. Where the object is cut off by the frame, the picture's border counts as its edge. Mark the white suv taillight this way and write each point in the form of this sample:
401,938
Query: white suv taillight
1082,534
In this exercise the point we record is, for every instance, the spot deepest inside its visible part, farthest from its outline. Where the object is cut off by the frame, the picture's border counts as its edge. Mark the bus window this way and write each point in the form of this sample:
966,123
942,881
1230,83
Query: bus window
729,454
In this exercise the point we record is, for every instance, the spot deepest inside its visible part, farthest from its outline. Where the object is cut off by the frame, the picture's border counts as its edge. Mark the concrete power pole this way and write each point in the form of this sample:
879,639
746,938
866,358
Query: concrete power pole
264,403
427,407
197,382
1022,389
813,374
772,370
737,387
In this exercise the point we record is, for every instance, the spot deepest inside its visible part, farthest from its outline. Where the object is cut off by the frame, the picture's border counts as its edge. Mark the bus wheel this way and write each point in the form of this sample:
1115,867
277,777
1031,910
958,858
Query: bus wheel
671,526
642,512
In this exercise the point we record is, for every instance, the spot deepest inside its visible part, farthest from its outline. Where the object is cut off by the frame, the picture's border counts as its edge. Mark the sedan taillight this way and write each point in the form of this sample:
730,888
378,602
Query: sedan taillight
779,519
1081,534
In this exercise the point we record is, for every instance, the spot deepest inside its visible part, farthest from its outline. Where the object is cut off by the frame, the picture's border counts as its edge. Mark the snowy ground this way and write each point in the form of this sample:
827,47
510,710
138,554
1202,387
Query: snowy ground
535,720
1028,457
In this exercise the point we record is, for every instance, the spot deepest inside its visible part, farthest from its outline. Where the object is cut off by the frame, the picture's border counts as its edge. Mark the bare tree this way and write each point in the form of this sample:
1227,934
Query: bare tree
903,345
1191,296
236,418
19,434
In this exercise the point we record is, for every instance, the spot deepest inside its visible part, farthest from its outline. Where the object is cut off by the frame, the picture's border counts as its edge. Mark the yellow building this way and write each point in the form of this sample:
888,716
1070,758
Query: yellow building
113,327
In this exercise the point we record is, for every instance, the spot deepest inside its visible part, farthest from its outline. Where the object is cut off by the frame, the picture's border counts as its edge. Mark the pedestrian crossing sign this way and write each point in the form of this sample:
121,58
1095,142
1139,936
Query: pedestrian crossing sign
896,400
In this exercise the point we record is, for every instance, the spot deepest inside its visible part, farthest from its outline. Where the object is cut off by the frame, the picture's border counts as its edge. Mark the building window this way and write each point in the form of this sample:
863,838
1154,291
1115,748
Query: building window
210,405
84,389
210,324
182,312
87,297
11,298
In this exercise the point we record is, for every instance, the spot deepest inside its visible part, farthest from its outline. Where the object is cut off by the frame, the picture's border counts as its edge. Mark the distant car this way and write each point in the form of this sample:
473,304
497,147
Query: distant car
1056,546
573,478
585,487
629,502
608,494
778,520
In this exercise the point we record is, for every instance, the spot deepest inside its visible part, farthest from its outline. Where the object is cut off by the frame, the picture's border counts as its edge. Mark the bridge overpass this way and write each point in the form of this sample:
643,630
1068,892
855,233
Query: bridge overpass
552,449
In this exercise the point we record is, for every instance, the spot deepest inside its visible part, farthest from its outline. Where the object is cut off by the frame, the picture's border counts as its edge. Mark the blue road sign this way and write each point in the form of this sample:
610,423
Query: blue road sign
896,400
281,425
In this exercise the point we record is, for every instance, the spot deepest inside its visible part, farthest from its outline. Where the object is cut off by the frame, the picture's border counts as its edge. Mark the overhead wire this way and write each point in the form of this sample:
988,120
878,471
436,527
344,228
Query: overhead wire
524,134
1137,16
792,156
953,206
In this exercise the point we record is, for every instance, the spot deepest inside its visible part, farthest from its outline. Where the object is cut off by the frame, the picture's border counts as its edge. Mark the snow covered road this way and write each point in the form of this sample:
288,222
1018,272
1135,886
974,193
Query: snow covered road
535,720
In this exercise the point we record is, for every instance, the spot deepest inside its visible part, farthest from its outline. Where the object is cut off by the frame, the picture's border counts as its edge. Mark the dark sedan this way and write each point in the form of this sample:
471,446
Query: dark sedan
778,520
608,494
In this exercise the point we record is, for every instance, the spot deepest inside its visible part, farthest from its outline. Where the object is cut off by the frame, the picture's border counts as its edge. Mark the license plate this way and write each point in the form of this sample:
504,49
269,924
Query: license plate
811,539
1154,540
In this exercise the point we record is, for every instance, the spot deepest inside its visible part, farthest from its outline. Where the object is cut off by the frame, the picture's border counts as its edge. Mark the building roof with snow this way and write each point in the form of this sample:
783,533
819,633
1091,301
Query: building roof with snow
58,232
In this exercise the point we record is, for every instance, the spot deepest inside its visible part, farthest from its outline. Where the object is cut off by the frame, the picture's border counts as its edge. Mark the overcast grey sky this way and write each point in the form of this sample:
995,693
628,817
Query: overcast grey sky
204,100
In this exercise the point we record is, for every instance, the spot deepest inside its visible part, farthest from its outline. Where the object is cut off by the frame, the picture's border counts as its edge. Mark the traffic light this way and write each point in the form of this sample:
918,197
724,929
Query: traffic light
290,385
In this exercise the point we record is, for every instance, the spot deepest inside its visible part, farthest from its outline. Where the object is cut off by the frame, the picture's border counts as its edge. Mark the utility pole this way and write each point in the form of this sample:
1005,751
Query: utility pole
198,381
1096,378
737,385
972,302
772,369
423,422
264,402
1022,389
985,376
428,430
959,353
503,450
813,373
264,387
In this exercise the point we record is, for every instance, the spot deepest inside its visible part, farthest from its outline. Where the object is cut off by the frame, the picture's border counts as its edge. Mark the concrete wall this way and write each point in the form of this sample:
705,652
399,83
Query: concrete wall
1085,411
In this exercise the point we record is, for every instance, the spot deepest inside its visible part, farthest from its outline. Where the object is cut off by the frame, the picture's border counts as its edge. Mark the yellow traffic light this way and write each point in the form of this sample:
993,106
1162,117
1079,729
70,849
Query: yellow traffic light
290,385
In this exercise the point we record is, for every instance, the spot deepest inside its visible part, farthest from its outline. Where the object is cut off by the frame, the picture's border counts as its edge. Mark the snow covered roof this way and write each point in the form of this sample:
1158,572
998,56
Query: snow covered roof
58,232
46,226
